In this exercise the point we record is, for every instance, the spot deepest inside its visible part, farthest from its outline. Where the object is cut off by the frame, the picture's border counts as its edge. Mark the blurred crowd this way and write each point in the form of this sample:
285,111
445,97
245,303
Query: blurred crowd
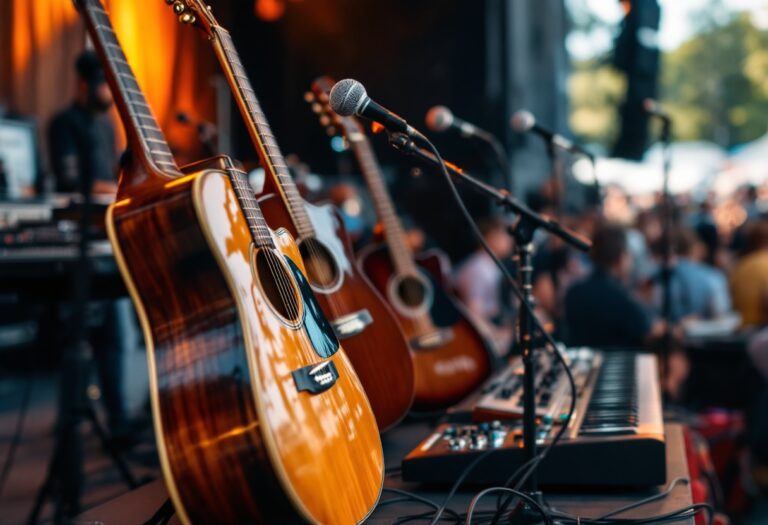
613,298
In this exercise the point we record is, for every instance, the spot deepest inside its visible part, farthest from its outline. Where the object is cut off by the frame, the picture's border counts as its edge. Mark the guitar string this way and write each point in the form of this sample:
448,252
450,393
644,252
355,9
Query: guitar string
317,256
277,272
276,275
398,251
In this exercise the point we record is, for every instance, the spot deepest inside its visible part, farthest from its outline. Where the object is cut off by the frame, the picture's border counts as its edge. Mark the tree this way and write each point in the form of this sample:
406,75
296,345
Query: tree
715,85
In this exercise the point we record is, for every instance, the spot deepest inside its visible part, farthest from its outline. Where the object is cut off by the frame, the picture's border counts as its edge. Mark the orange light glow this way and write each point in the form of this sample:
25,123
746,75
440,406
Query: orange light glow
154,43
269,10
171,62
36,25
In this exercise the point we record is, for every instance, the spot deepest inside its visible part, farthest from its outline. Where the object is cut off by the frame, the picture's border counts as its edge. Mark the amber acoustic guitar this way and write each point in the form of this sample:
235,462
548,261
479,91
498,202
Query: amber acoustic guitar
361,318
450,356
259,415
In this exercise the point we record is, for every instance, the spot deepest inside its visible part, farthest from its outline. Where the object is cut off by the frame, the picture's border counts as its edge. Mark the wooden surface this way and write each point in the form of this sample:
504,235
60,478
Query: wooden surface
237,439
380,354
137,506
447,373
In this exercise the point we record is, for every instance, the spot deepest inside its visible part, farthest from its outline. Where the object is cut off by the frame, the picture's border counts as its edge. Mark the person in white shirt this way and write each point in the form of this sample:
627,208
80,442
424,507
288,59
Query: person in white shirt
478,281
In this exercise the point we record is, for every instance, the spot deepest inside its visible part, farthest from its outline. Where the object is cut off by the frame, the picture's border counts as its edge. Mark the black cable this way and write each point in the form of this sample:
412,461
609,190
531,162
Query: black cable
686,512
417,498
458,483
16,439
670,487
625,508
516,493
537,324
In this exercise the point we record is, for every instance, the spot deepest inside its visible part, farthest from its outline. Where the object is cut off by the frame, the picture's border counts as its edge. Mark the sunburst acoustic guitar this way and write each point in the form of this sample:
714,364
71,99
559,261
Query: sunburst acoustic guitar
361,318
258,414
451,358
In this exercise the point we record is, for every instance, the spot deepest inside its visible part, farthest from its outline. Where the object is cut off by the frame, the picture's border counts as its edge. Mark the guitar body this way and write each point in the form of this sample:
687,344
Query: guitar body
239,441
367,327
450,356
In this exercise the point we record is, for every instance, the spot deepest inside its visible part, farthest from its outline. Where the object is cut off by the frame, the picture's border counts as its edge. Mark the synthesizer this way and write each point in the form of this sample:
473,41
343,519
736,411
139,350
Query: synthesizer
615,438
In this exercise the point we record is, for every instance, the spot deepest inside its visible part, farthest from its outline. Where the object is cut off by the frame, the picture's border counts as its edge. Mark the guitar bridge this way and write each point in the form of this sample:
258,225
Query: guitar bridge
352,324
316,378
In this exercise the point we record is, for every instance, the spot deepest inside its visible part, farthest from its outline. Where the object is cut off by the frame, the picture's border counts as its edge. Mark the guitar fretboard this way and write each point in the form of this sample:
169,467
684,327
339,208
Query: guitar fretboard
402,256
261,133
251,210
146,137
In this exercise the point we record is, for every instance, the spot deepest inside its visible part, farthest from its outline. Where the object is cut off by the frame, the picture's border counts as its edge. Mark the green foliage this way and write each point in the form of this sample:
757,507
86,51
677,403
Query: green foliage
596,90
715,86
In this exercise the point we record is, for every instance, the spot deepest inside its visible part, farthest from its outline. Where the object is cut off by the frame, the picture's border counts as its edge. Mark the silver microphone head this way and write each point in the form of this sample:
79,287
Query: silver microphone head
523,121
347,96
439,119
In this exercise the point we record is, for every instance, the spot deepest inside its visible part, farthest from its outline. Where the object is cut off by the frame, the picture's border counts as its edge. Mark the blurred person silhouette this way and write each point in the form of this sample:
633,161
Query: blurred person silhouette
749,276
601,310
82,142
84,159
698,290
478,282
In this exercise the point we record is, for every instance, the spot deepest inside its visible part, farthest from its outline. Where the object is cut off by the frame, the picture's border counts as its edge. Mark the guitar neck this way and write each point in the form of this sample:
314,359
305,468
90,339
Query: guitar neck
146,139
402,256
261,134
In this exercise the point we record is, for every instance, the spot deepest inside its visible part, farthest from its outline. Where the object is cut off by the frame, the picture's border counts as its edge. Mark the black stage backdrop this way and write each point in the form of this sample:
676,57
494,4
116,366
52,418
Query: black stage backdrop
410,56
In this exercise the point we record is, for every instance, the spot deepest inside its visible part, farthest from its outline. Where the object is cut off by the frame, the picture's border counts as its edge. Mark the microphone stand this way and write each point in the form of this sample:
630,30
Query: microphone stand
502,197
556,178
523,233
666,264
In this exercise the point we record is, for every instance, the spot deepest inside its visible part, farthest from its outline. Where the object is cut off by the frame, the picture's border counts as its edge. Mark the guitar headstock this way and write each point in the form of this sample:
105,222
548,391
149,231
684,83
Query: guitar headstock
319,100
196,13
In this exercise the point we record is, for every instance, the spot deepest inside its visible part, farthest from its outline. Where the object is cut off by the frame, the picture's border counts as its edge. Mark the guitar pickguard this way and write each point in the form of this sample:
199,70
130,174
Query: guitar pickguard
318,328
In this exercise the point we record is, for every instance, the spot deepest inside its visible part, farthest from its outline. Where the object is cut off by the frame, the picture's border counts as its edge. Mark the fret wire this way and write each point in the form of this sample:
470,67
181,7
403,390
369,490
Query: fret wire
144,121
272,156
384,206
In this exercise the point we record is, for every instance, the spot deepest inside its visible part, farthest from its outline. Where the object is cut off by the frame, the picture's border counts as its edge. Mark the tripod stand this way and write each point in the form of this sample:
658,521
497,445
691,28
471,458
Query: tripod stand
64,479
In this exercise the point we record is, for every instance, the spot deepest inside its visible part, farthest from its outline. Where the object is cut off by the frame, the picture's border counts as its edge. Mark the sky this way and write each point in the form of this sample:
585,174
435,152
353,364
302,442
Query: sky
675,29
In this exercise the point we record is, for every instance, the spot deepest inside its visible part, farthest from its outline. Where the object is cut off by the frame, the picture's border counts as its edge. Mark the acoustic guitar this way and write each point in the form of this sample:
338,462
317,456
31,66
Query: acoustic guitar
451,358
258,414
360,316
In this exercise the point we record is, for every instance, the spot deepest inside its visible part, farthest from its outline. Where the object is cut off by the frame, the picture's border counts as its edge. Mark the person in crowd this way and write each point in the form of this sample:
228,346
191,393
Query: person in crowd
601,310
478,282
81,138
84,158
749,276
697,290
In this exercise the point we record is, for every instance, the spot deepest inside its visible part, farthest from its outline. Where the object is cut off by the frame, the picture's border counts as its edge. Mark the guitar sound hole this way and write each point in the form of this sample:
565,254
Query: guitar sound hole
277,284
321,266
412,292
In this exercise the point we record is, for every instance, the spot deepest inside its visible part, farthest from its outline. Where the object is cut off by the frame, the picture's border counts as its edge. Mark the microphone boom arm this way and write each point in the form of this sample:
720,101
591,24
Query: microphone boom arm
502,197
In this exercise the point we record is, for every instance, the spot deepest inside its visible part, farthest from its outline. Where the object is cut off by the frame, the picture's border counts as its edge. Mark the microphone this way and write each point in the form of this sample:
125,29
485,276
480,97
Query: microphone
348,97
524,121
440,119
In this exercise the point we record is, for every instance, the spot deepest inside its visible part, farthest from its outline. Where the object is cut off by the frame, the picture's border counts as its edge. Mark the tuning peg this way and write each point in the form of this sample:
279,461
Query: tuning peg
170,2
317,108
331,131
325,120
179,7
187,18
309,96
